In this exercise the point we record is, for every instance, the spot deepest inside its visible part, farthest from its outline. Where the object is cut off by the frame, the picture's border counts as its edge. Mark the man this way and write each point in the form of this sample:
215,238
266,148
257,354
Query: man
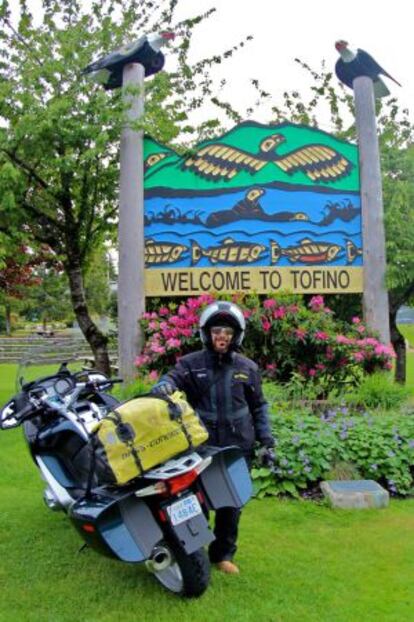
224,388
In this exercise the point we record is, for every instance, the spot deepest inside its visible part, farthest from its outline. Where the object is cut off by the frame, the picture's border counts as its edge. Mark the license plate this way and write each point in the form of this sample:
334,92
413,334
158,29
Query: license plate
183,510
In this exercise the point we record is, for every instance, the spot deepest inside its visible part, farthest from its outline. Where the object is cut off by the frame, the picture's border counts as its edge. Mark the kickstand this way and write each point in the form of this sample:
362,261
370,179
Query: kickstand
83,547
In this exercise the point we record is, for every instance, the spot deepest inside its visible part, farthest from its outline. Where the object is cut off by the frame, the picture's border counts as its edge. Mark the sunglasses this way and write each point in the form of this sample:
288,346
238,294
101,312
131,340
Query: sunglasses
227,330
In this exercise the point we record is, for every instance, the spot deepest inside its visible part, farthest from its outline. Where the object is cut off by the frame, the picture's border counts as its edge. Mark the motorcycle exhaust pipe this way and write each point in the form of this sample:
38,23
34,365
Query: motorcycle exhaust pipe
161,558
51,502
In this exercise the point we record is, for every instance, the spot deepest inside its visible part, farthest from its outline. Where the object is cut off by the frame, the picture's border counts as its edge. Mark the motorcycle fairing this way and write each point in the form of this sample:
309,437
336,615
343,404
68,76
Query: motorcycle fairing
124,528
226,482
58,471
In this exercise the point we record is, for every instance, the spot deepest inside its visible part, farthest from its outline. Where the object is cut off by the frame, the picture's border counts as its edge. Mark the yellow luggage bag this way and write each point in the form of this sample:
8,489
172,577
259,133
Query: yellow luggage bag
144,432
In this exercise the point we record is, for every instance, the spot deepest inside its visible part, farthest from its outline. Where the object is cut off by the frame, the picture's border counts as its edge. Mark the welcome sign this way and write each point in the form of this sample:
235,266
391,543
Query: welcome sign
262,208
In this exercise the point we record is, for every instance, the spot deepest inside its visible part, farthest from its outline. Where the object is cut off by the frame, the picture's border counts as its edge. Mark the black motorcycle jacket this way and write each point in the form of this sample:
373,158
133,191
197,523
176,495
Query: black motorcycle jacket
226,392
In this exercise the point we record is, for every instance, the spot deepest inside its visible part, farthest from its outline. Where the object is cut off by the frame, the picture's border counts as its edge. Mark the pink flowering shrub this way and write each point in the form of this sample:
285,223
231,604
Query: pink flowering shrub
170,333
309,342
285,337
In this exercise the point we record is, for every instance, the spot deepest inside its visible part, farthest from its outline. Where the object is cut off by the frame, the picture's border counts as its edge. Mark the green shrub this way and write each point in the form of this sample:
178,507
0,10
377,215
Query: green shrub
275,392
309,447
379,391
127,391
342,470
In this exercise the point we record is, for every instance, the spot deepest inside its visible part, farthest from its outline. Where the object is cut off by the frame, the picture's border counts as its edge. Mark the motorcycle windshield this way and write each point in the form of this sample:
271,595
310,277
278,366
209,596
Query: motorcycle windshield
42,360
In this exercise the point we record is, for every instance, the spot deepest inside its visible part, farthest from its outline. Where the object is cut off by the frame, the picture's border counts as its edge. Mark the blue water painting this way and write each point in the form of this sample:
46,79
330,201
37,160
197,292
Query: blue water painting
260,226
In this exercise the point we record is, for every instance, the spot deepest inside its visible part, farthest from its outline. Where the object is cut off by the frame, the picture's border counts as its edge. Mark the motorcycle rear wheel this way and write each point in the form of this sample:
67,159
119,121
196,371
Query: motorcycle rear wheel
187,575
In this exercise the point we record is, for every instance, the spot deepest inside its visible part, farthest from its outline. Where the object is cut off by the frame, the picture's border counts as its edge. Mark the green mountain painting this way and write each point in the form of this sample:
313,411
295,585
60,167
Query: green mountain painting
252,153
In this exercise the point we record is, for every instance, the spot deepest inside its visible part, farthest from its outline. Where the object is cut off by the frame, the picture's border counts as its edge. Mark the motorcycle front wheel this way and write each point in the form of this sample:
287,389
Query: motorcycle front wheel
185,575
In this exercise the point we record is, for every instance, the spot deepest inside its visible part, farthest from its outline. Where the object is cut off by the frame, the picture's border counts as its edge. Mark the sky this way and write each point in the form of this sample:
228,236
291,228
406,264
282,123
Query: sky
306,29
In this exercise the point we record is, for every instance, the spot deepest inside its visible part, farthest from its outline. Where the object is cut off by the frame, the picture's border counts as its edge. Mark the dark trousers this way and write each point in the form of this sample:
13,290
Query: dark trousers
225,529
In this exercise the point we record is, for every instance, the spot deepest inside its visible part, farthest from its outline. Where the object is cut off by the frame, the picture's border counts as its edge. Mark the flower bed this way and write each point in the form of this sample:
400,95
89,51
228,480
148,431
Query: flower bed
287,339
310,447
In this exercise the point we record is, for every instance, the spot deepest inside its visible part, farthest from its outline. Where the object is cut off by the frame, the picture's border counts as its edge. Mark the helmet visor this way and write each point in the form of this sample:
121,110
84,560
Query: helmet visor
228,331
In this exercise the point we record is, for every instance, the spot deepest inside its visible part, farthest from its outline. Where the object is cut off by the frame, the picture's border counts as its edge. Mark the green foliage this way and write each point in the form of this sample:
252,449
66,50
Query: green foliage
310,448
60,134
379,391
398,188
342,470
127,391
305,450
97,284
49,300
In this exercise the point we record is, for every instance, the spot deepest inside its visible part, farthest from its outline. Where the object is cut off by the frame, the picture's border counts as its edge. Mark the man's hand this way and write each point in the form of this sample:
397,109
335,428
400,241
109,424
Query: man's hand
266,457
163,389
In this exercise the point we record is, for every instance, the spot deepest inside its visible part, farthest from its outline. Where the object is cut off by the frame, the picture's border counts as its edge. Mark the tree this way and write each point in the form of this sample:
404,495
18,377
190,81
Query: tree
399,222
18,273
50,300
59,136
396,137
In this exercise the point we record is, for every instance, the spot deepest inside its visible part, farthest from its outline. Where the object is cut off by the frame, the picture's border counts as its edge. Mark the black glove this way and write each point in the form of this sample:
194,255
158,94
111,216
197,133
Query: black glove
163,388
266,457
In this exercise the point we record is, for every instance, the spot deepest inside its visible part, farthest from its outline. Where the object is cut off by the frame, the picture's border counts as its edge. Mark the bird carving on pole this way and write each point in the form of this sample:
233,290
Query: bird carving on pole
146,51
355,63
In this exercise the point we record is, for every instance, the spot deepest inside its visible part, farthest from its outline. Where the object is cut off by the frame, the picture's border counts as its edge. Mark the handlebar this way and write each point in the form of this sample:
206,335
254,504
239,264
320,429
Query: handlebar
107,383
32,399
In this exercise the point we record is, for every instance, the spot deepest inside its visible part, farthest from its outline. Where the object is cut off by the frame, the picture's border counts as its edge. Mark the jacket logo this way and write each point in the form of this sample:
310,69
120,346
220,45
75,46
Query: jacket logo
240,376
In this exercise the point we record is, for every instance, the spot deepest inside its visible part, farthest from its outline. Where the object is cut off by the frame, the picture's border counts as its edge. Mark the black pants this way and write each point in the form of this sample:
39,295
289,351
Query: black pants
226,529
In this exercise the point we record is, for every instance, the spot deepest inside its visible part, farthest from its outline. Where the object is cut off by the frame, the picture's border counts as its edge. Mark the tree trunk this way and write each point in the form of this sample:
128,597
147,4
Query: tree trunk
8,319
398,342
97,340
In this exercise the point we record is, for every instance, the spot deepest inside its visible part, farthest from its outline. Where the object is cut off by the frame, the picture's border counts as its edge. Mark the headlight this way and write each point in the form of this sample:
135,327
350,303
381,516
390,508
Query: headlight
7,420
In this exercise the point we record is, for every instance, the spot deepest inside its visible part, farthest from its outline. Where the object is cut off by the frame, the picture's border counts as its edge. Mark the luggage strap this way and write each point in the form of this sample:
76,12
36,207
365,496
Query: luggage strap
186,432
175,413
125,437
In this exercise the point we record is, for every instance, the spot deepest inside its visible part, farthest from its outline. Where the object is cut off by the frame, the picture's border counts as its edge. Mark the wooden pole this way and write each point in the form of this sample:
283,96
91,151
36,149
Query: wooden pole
131,295
375,299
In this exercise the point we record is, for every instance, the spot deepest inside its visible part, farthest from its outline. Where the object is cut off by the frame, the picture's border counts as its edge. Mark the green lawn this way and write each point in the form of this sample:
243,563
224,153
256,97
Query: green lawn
300,562
408,331
7,380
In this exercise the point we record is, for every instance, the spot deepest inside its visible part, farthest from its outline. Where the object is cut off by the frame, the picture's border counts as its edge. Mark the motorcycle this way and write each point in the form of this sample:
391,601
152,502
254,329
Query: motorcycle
159,518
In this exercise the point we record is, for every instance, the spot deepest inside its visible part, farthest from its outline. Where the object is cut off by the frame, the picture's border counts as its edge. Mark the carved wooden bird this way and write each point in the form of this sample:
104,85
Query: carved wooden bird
355,63
145,51
217,161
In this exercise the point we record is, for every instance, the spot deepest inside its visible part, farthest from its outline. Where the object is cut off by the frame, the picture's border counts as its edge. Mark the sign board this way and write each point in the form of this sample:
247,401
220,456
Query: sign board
262,208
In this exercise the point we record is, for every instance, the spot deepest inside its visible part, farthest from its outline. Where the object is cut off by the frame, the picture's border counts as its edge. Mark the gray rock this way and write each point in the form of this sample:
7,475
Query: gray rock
355,494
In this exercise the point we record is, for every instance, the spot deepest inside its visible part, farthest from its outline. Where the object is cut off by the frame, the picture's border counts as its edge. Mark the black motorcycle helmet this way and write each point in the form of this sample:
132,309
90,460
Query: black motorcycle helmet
222,314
